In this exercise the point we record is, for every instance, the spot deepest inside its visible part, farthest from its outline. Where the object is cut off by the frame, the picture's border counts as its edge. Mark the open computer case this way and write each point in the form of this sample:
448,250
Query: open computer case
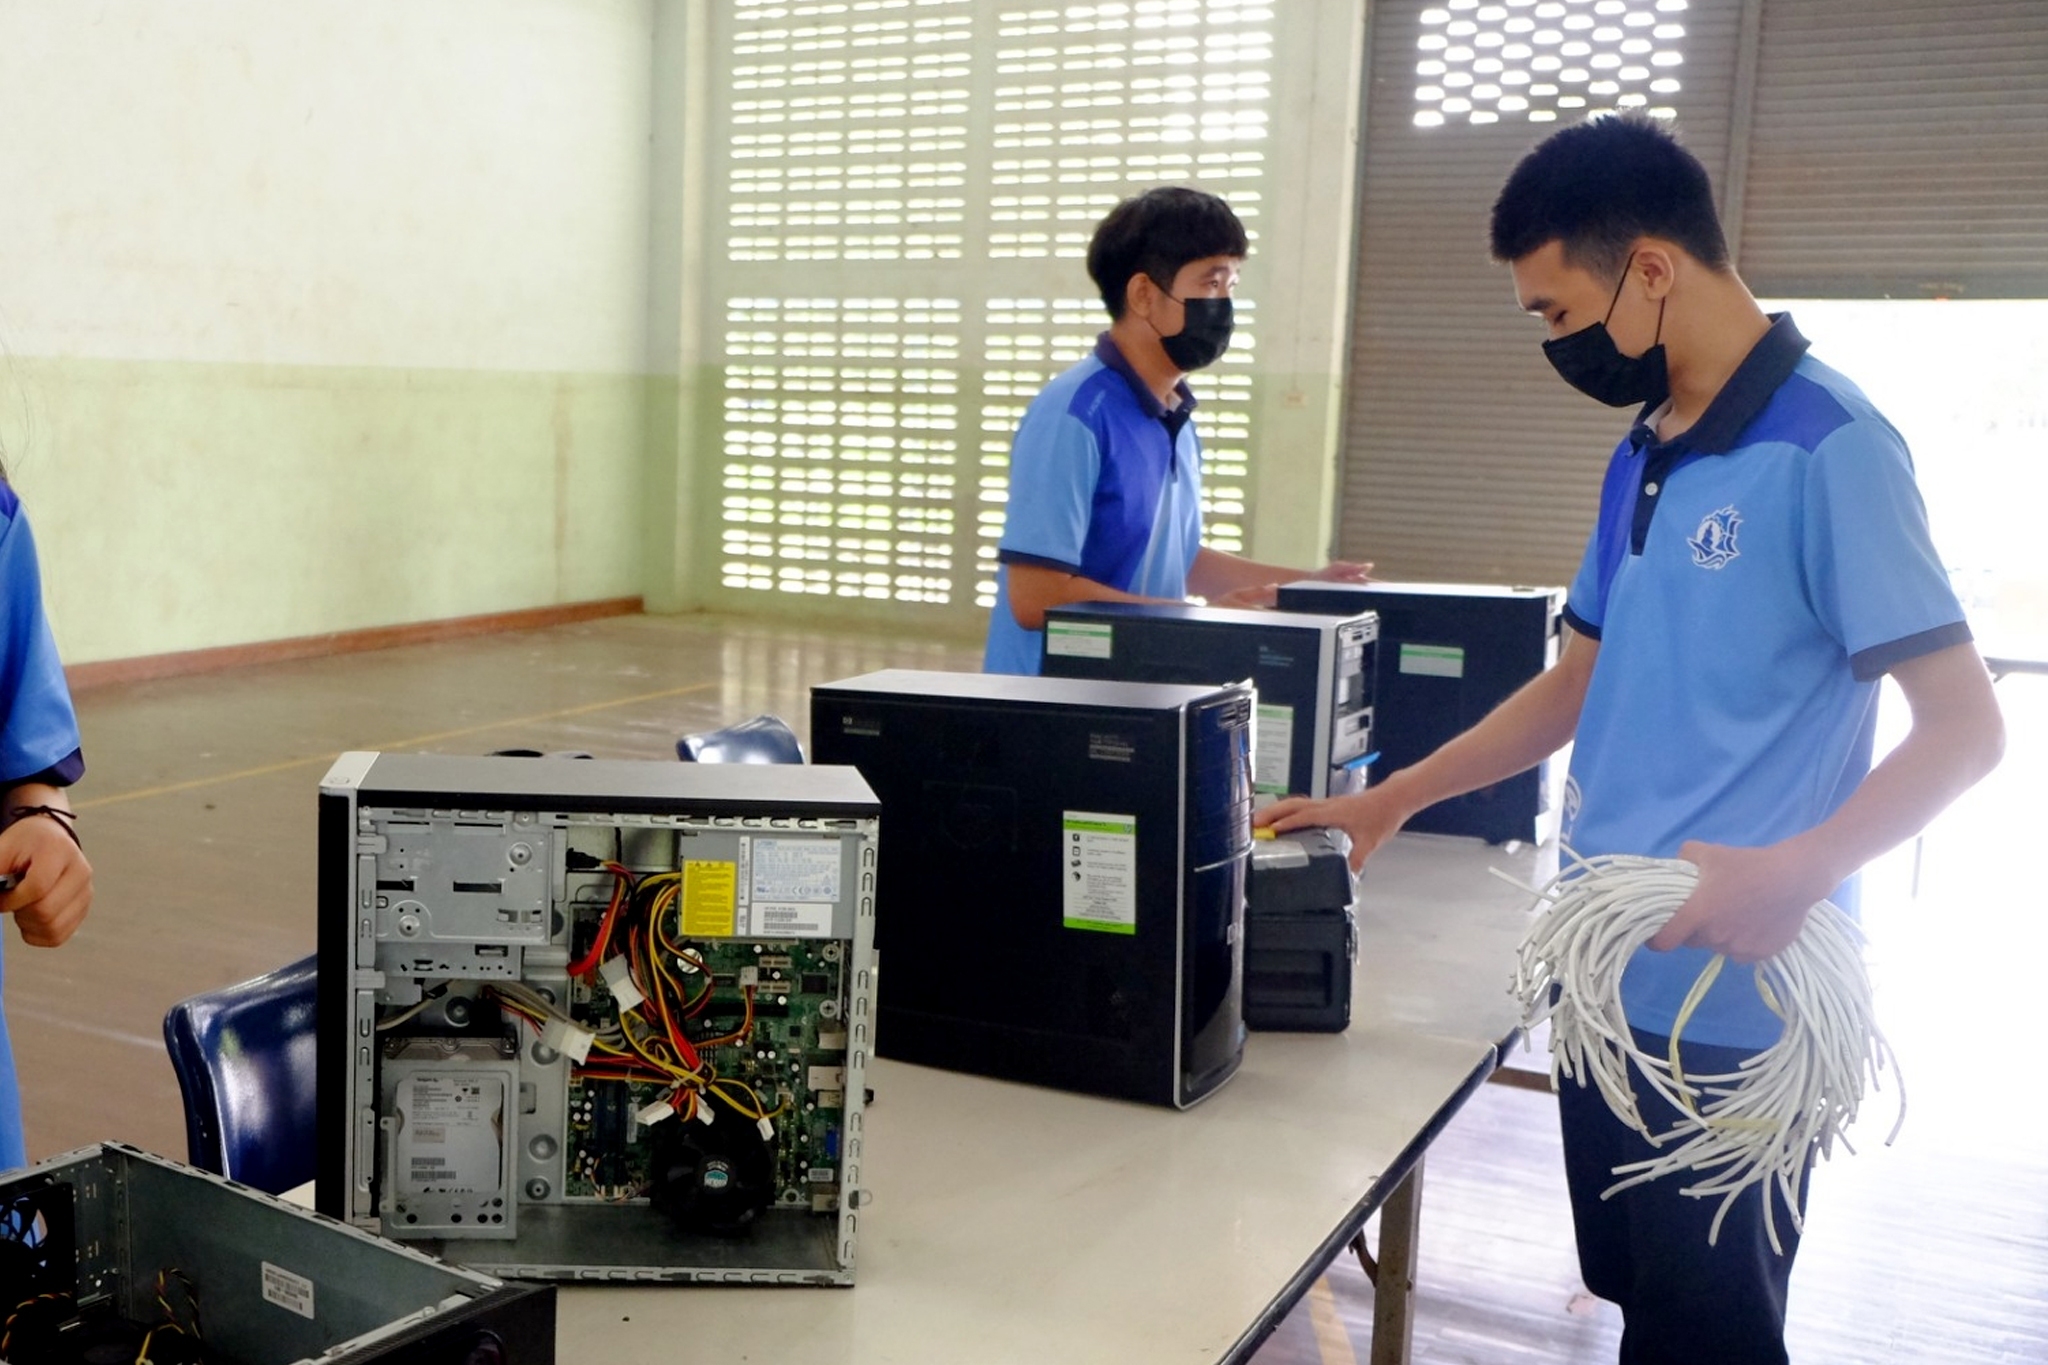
592,1020
111,1253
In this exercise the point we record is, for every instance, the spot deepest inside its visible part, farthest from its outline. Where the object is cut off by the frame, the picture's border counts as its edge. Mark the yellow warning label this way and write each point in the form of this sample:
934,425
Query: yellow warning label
710,898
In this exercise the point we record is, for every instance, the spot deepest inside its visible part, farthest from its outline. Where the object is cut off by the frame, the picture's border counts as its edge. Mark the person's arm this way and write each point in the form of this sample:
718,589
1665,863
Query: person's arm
1751,902
1228,580
1516,735
1036,589
52,880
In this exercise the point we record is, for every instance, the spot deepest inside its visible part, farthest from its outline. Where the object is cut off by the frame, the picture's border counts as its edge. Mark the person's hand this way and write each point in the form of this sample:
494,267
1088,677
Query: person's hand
1343,571
1749,903
1368,817
53,881
1259,595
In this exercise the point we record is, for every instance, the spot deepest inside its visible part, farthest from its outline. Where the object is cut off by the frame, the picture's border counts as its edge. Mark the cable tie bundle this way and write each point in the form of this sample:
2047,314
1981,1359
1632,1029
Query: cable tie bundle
1754,1126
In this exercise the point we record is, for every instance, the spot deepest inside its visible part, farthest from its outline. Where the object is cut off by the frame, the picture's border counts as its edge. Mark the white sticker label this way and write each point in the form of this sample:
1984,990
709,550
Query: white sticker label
1274,854
792,919
286,1290
1099,857
448,1131
796,869
1273,750
1078,639
1435,661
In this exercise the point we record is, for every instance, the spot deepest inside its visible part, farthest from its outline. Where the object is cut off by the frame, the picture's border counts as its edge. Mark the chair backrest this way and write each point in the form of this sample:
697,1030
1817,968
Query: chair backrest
764,739
244,1055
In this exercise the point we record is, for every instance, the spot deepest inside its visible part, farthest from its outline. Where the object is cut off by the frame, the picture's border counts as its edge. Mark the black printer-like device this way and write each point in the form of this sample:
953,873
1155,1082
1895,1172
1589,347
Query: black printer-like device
1300,933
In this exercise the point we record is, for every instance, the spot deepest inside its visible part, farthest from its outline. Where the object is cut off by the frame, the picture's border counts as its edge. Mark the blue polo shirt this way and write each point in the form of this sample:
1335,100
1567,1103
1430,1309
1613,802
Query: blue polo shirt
1105,482
1749,582
38,733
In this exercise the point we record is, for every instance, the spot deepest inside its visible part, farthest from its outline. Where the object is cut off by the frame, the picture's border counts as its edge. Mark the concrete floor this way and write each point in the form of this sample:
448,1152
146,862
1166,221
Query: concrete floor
198,813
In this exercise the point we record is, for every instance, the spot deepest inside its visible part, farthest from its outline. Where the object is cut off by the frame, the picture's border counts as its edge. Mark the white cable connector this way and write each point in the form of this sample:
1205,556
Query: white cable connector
617,972
1751,1127
570,1039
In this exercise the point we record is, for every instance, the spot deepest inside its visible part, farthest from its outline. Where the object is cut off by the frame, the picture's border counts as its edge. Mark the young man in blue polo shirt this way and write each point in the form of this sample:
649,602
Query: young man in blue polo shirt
1105,501
1760,560
48,883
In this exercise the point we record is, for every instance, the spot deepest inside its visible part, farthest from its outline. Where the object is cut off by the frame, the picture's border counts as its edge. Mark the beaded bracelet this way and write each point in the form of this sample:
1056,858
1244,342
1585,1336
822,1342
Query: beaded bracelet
66,820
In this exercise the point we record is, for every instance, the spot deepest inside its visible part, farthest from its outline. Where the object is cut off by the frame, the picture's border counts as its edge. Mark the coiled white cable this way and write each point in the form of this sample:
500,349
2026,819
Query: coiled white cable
1751,1127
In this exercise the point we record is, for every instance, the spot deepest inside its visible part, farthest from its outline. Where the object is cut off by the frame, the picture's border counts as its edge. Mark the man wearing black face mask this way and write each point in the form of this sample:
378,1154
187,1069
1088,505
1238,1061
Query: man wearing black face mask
1760,561
1105,498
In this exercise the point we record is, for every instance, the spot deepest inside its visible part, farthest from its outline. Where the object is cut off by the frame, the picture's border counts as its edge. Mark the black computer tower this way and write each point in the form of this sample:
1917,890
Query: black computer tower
1449,654
1063,899
1314,675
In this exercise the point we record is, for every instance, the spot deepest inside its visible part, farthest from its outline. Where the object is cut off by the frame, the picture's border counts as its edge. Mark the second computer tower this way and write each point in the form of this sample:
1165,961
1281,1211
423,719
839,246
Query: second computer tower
1063,899
1315,676
1449,654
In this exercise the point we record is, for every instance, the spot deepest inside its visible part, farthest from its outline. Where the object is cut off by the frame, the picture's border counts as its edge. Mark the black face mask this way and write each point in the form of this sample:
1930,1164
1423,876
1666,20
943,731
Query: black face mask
1589,361
1204,335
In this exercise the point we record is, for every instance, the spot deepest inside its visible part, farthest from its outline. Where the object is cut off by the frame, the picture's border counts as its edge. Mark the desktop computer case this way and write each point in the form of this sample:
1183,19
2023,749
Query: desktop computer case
457,1118
1449,654
1063,898
1315,677
133,1240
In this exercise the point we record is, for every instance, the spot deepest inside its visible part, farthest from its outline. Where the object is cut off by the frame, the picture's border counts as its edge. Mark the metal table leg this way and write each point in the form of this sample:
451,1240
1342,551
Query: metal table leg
1393,1273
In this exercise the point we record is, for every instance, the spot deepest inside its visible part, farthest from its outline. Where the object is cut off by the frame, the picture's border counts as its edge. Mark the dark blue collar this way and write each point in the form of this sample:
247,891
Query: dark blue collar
1767,366
1106,351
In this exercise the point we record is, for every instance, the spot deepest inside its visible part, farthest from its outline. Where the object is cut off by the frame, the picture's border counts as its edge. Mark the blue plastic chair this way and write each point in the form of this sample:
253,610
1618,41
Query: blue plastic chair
764,739
244,1055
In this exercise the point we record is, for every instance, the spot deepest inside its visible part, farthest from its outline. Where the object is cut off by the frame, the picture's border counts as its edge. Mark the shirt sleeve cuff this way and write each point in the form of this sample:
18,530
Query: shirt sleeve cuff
1036,561
63,773
1871,664
1580,625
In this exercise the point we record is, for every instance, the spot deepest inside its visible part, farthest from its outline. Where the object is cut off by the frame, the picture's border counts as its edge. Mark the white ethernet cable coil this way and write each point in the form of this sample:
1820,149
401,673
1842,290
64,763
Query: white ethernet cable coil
1751,1127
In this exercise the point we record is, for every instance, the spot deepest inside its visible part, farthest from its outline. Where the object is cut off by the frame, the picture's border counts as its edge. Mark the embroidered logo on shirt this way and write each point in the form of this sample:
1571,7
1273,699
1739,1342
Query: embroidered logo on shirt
1713,545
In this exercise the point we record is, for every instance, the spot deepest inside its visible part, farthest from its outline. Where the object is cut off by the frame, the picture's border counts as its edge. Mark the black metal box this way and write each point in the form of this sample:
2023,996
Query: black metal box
1449,654
102,1247
1064,893
1300,933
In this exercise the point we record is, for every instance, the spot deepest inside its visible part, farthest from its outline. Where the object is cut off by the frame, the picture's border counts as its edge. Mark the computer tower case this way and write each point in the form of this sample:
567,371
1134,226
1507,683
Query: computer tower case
1314,675
111,1253
1300,933
1449,654
594,1020
1063,897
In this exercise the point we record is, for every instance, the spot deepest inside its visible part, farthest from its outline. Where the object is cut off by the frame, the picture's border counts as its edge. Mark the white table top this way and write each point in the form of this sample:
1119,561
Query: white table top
1013,1224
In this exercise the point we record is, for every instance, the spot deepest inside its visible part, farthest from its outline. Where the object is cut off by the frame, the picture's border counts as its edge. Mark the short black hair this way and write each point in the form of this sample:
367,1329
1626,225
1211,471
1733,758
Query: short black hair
1599,185
1156,233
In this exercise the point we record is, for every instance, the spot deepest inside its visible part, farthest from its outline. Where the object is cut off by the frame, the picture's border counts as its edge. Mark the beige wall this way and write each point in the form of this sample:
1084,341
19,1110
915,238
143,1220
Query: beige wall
323,315
350,313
